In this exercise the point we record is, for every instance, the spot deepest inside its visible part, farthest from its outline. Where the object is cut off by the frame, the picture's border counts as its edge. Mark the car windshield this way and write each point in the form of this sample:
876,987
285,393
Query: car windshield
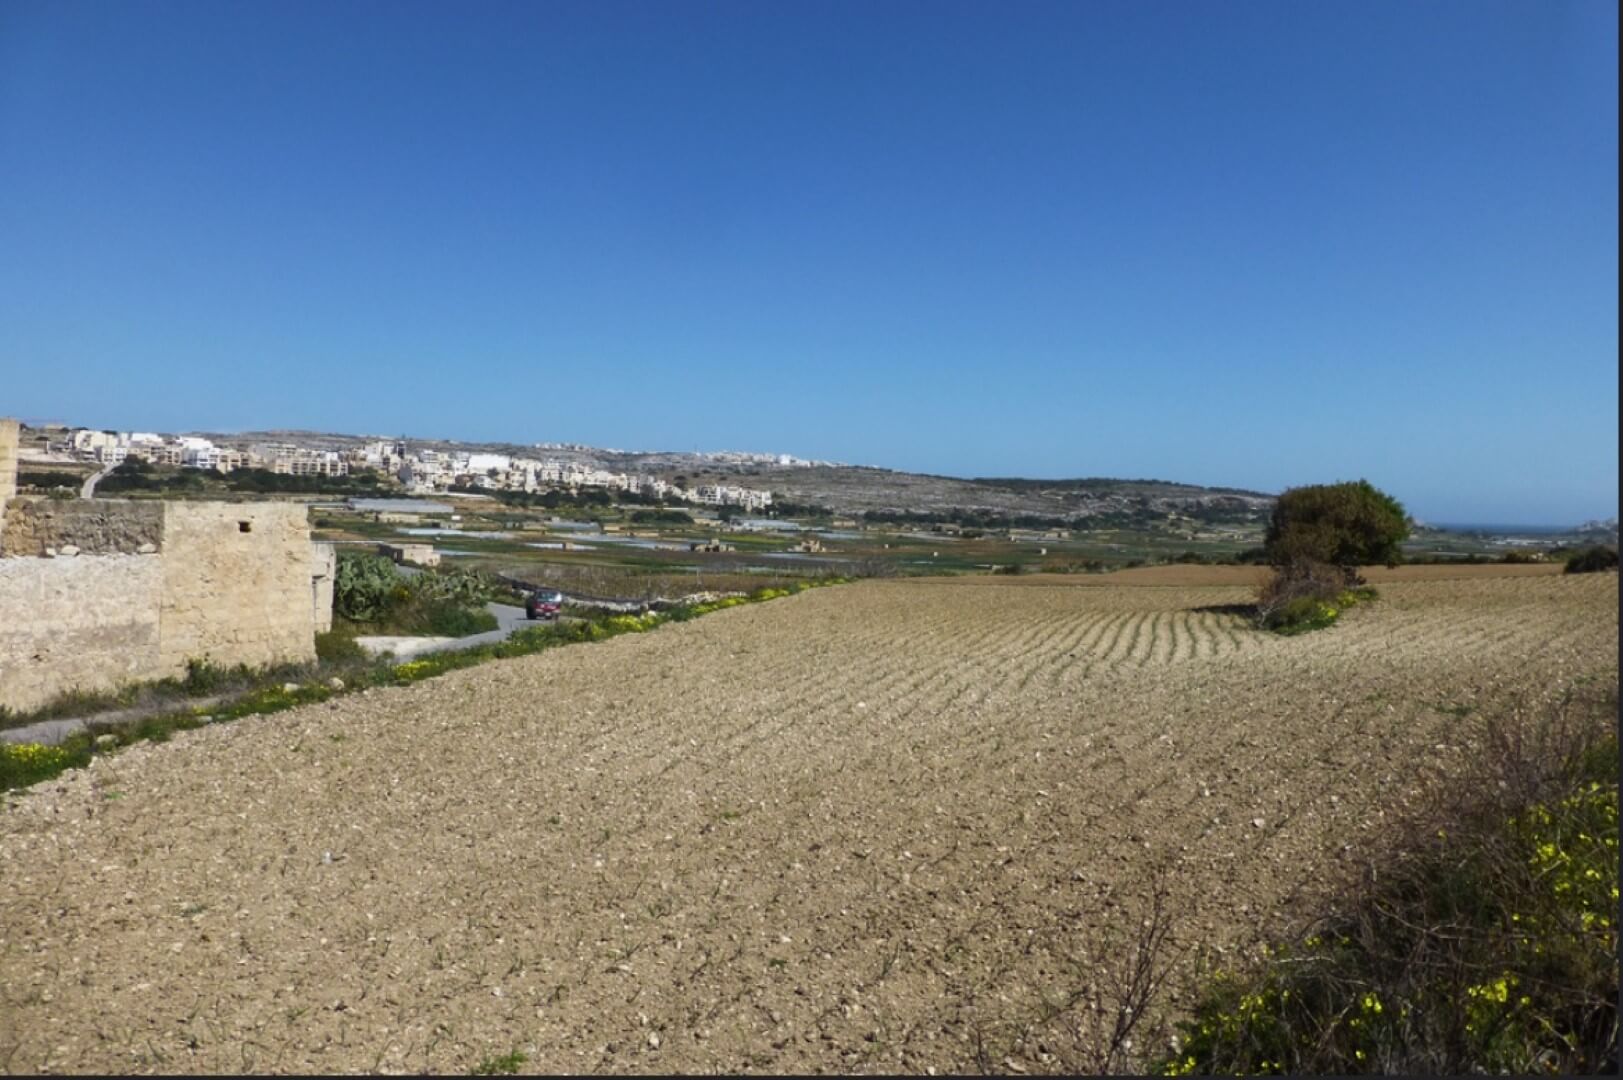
548,596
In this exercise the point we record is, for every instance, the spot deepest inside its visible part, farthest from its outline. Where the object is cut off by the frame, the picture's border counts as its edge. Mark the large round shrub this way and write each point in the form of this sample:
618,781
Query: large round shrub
1347,525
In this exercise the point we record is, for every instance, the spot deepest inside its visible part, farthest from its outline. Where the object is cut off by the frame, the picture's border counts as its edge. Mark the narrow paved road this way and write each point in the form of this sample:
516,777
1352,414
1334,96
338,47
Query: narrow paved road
88,490
508,618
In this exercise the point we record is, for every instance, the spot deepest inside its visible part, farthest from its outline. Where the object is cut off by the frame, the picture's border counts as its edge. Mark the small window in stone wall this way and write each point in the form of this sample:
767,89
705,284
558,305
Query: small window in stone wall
245,526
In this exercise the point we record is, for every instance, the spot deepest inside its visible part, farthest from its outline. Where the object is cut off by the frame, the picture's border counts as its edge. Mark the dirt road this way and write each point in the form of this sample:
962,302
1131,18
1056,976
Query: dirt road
887,826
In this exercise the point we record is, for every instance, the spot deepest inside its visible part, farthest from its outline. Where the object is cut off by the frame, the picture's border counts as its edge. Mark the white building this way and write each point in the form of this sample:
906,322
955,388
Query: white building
88,440
483,463
205,457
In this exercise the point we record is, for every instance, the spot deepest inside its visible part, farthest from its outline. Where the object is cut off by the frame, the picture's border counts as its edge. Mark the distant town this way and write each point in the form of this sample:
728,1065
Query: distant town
746,481
420,470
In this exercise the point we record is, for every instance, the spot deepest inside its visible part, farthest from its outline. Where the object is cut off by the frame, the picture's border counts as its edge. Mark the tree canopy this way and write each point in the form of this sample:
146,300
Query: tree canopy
1348,524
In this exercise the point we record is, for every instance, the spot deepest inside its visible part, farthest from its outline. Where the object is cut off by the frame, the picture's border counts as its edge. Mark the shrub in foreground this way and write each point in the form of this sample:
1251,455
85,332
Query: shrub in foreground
1486,943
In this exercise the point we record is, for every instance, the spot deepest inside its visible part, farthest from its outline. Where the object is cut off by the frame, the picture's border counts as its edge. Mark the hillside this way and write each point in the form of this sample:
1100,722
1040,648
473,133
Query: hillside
855,489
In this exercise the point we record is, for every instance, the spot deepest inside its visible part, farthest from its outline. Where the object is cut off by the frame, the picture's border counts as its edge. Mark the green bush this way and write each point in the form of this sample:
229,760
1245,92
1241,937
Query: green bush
22,764
48,480
1592,560
1302,595
365,586
1301,615
662,517
447,618
203,676
1348,525
337,647
458,583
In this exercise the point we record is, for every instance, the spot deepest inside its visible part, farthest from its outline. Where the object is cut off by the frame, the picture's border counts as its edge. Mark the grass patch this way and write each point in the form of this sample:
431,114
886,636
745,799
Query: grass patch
203,678
505,1065
338,647
30,763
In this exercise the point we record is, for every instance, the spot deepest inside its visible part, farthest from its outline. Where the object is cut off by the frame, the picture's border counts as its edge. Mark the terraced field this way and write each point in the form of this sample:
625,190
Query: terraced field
890,826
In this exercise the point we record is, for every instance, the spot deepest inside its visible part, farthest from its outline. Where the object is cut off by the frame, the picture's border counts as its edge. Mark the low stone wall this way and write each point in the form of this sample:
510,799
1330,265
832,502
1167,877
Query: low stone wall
236,583
9,434
40,526
89,623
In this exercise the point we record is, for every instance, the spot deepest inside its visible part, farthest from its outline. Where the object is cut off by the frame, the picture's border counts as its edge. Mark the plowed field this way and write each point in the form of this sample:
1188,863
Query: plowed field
889,826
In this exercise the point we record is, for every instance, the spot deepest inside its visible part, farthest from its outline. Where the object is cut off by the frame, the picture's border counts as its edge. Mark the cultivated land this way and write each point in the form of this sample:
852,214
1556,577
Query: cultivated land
887,826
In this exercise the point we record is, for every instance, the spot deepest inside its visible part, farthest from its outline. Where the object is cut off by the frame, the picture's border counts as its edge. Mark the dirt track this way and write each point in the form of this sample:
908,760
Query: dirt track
866,828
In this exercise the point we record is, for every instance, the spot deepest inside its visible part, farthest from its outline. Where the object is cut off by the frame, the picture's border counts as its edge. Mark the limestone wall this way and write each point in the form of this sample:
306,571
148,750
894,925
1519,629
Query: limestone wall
236,584
8,469
89,622
323,568
40,526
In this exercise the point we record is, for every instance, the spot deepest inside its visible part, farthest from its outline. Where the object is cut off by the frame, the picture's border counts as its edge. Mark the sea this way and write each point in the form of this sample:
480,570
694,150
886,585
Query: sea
1492,529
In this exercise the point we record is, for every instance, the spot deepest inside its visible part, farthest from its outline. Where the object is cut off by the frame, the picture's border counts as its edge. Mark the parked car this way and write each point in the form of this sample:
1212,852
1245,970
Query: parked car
543,604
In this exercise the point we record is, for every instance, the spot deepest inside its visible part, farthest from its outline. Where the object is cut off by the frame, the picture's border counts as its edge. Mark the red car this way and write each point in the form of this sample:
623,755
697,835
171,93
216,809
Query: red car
543,604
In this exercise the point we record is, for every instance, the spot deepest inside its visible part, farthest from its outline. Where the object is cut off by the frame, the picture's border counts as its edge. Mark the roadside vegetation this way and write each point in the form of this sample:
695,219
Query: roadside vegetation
203,679
50,480
371,597
342,669
1482,939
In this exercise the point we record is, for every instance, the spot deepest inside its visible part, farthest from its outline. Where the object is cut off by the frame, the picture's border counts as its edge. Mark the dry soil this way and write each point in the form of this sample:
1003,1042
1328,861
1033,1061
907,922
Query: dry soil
889,826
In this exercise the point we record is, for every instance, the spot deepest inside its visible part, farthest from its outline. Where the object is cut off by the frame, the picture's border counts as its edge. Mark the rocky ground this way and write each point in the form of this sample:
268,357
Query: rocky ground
894,826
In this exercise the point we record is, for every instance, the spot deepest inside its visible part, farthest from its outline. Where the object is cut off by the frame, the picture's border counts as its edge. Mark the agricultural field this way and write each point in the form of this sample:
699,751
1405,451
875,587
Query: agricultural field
640,561
892,826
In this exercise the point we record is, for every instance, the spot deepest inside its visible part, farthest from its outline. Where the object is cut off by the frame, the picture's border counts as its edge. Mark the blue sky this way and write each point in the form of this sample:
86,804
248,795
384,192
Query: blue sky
1254,244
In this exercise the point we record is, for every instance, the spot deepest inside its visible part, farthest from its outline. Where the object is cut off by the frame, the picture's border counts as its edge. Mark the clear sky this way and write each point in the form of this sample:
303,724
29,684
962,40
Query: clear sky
1241,243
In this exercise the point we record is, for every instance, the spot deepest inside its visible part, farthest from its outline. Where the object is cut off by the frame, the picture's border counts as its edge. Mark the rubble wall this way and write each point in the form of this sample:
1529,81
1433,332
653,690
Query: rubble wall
39,526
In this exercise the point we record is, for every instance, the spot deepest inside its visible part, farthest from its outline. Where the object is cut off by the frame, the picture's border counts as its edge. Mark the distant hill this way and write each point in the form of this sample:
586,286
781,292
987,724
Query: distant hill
855,489
859,489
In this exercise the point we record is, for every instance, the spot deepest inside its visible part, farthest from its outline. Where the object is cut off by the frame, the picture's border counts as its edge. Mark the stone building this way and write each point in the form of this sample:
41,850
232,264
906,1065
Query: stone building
96,593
